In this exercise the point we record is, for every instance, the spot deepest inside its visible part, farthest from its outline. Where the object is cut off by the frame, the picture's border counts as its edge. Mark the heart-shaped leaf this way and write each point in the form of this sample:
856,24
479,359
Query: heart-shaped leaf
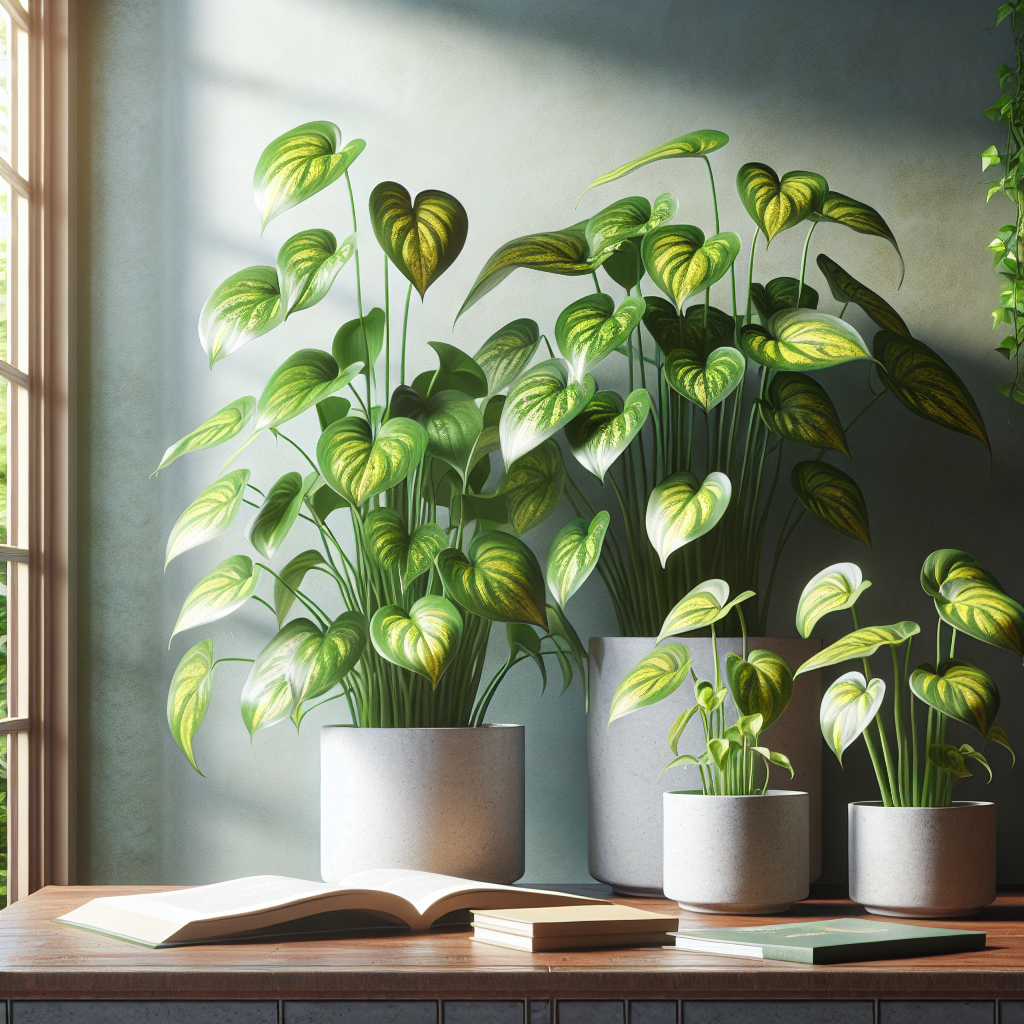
606,427
927,385
627,218
424,641
301,381
220,427
533,486
951,564
422,238
500,579
798,409
189,696
775,204
866,220
681,509
592,327
705,380
390,544
846,288
299,164
573,555
697,143
958,690
761,686
539,404
277,514
212,512
358,466
290,578
782,293
982,611
653,678
847,709
703,606
330,410
681,262
833,498
507,352
321,661
307,265
803,339
245,306
834,589
360,341
954,760
625,266
268,696
457,371
861,643
227,587
453,423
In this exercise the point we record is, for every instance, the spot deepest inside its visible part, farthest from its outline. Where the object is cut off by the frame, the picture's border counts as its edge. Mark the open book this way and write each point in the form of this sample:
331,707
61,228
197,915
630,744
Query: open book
273,905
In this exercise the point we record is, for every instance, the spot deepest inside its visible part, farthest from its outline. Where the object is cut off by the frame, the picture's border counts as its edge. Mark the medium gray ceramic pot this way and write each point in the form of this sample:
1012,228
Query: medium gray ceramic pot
923,861
445,800
624,760
736,854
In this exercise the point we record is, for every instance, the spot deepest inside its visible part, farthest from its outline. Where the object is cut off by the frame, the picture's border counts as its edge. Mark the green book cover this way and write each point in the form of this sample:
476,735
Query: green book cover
829,942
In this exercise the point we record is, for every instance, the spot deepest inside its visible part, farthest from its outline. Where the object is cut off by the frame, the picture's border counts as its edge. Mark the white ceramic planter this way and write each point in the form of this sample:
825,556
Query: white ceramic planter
923,861
736,854
445,800
624,761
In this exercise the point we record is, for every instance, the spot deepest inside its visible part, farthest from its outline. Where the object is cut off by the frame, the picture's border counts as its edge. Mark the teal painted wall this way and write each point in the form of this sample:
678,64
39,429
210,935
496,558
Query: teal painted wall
514,107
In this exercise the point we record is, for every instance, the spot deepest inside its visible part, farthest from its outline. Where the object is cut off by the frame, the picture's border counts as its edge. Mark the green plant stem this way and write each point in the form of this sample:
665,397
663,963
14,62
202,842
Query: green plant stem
897,711
890,767
405,330
387,335
880,773
803,262
219,660
323,618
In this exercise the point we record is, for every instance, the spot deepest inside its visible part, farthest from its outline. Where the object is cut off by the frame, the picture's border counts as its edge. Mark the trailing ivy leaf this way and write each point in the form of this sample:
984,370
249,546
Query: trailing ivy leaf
189,696
847,709
321,661
681,509
951,564
834,589
846,288
422,238
360,341
499,579
861,643
706,380
389,542
798,409
959,691
704,605
245,306
307,265
982,611
424,641
302,380
803,339
775,204
222,590
590,328
212,512
299,164
267,696
290,578
840,209
220,427
760,686
926,384
681,262
653,678
574,554
277,514
781,293
627,218
606,427
533,486
507,352
833,498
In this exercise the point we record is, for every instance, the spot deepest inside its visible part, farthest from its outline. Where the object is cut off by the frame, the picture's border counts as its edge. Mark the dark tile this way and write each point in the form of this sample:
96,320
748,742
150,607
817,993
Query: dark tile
143,1012
540,1011
700,1011
1011,1011
491,1011
362,1011
975,1011
645,1011
591,1011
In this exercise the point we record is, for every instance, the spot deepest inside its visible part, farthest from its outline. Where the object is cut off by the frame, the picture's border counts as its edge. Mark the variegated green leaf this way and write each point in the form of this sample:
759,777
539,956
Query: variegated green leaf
951,564
951,759
592,327
500,579
424,641
389,542
507,352
782,293
927,385
833,498
982,611
774,757
321,661
540,403
624,266
798,409
422,238
573,555
290,578
653,678
220,427
299,164
268,696
301,381
358,466
840,209
960,691
627,218
803,339
606,427
307,265
245,306
775,204
456,371
697,143
453,423
705,380
277,514
846,288
703,606
997,735
189,696
681,262
681,509
834,589
212,512
359,341
861,643
761,686
699,327
222,590
847,709
675,734
533,486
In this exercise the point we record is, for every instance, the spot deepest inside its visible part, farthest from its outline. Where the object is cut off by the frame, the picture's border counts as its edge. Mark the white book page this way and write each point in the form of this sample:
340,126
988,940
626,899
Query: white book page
420,888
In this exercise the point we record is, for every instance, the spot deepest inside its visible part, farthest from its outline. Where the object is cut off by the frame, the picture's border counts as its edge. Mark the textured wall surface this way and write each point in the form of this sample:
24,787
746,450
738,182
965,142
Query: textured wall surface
513,106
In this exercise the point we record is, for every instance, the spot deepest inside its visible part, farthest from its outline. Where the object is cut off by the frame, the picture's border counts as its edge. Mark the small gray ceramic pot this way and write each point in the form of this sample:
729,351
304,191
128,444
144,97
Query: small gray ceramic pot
450,801
736,854
923,861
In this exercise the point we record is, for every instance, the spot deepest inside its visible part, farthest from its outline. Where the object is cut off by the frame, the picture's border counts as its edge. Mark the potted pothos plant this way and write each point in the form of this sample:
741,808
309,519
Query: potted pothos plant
722,408
916,852
412,572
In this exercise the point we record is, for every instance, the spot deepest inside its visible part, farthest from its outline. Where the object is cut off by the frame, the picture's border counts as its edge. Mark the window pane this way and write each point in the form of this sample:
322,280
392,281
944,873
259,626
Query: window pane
5,79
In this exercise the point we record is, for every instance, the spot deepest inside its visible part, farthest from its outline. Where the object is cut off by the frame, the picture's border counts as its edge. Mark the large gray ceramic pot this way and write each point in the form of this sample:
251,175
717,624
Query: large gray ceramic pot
624,761
450,801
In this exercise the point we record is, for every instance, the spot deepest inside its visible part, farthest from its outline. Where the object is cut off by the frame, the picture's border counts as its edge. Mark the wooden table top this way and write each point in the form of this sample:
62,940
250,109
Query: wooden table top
43,960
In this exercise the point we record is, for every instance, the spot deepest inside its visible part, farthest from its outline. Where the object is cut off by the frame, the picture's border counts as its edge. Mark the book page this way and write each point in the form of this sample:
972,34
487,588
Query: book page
420,888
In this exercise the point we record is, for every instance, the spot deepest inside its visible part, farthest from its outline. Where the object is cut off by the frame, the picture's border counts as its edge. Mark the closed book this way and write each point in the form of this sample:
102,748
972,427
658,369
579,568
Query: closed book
550,943
829,942
549,922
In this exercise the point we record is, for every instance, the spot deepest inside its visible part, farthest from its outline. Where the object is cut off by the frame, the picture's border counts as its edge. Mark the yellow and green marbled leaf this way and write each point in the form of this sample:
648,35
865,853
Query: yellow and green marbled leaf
704,380
762,685
606,427
775,204
799,409
833,498
453,423
681,509
507,352
424,641
803,339
846,288
982,611
212,512
866,220
394,549
960,691
243,307
573,555
847,709
220,592
301,381
861,643
680,261
189,696
590,328
653,678
220,427
704,605
533,486
627,218
834,589
268,696
277,515
322,660
307,265
952,564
